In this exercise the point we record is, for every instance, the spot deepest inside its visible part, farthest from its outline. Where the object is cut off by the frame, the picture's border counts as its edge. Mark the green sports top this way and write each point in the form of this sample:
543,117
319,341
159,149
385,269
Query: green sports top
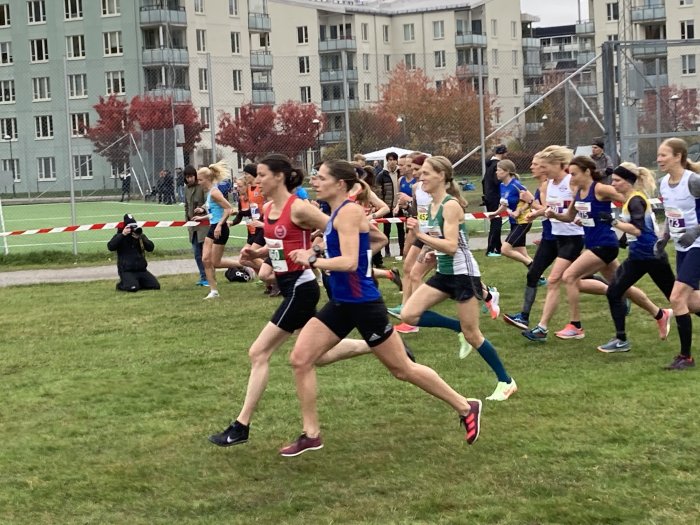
462,262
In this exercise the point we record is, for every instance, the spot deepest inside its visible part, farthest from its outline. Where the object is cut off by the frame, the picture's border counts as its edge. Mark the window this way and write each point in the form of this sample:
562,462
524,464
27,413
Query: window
494,28
46,168
613,11
613,38
233,7
513,30
204,117
75,46
199,6
302,35
409,33
365,61
77,86
39,50
7,91
387,63
687,29
304,65
115,83
685,3
8,126
201,40
36,11
82,166
439,29
410,60
495,86
235,43
385,34
113,43
79,124
305,94
514,57
4,15
440,61
494,57
688,64
41,89
264,39
110,7
238,81
6,53
516,87
11,166
73,9
364,31
367,91
516,110
203,80
236,112
43,127
438,85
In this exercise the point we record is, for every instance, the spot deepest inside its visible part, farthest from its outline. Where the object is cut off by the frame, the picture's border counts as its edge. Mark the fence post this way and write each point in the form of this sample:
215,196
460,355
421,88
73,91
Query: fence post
609,101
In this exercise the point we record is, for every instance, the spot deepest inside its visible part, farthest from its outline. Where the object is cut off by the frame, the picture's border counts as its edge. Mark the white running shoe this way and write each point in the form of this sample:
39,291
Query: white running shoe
464,347
503,390
492,305
212,295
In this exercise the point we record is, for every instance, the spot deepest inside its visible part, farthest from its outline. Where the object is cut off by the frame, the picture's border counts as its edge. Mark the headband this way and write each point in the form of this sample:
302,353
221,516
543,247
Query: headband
626,174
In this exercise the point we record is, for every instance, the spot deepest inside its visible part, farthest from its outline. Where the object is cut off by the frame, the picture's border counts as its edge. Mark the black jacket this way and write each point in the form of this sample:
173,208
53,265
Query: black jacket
491,185
385,187
130,250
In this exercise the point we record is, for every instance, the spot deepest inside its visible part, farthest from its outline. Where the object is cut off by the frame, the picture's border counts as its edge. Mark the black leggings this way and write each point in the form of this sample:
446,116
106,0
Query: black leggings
629,272
544,257
400,231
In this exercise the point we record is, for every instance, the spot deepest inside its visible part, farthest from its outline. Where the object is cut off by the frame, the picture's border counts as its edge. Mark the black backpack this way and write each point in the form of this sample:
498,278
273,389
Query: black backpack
237,275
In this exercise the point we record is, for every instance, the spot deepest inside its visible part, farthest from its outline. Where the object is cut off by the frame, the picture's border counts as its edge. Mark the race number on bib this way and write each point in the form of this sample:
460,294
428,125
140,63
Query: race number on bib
434,231
676,222
584,213
275,249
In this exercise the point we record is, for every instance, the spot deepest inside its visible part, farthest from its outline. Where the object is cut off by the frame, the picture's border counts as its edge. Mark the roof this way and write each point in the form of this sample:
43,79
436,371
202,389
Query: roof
387,7
544,32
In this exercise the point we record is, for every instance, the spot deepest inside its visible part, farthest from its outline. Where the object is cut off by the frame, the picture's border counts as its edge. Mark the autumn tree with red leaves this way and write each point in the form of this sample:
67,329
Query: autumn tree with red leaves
373,129
151,113
112,124
681,115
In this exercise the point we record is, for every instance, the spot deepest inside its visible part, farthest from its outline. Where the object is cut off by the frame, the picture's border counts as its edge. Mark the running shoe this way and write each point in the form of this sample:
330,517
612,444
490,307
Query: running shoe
395,311
537,334
464,347
409,352
212,295
404,328
492,305
202,282
302,444
628,306
664,323
681,362
503,390
570,332
615,345
493,254
542,281
472,421
275,291
517,320
235,434
396,279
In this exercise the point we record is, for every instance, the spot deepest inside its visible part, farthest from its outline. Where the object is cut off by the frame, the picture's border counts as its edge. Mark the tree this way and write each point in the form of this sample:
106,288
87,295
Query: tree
109,134
679,110
295,127
371,130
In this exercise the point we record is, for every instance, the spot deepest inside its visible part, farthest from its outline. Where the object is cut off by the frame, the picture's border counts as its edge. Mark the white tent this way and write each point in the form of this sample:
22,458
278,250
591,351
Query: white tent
381,154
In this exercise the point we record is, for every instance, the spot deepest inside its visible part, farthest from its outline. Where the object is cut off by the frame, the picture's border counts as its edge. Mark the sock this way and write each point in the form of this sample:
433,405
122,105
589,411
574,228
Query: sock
431,319
489,354
530,296
543,328
577,324
685,333
659,314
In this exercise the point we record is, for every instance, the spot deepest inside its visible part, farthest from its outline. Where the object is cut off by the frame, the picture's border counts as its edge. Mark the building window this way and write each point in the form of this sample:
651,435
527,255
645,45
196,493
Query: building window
112,43
41,89
685,3
8,126
203,80
409,33
6,53
201,40
494,57
304,67
385,34
265,40
237,81
4,15
410,60
43,127
387,63
36,11
513,30
613,11
364,31
82,166
79,124
438,85
688,64
75,46
39,50
235,43
77,86
367,92
494,28
613,38
305,94
199,6
236,112
495,86
110,7
516,87
204,117
302,35
233,7
46,168
73,9
440,61
7,91
514,55
365,61
687,29
438,29
115,83
7,167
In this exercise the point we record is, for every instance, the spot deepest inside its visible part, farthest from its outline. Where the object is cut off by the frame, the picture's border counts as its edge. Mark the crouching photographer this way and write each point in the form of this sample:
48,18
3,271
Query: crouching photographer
131,245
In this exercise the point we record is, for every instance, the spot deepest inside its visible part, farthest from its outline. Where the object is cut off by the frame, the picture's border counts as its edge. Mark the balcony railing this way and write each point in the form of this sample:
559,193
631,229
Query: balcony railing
587,89
261,60
584,57
585,27
335,75
470,39
532,70
531,98
471,70
332,136
653,13
259,22
165,55
529,42
177,93
654,82
330,106
338,44
534,127
156,15
263,96
649,49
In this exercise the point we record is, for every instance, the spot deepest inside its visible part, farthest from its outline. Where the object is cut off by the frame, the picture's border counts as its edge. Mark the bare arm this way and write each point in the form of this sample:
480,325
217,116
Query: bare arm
453,216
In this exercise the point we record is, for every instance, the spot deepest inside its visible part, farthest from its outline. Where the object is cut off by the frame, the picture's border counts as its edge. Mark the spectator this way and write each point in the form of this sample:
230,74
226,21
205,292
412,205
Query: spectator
602,161
492,197
126,185
377,167
160,186
131,243
169,188
180,183
359,160
195,198
388,190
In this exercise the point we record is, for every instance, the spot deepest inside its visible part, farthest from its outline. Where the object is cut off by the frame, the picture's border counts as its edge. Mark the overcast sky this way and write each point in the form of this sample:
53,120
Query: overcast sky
561,12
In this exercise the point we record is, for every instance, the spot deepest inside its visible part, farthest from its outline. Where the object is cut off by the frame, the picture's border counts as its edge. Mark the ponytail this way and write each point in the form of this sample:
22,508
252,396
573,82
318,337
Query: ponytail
219,171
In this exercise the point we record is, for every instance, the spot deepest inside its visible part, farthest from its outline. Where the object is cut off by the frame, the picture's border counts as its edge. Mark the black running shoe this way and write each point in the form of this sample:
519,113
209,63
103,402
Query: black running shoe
235,434
408,351
396,279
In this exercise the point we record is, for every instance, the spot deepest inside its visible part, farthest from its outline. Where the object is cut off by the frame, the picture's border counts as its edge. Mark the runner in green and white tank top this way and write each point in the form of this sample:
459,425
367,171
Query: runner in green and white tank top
462,262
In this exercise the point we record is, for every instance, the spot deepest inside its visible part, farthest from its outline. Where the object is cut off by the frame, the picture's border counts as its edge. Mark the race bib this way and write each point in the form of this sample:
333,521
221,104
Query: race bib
434,231
423,218
275,249
584,213
676,222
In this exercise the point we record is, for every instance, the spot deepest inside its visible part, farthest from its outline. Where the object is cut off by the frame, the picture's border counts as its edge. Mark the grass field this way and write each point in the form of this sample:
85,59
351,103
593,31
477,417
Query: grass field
108,400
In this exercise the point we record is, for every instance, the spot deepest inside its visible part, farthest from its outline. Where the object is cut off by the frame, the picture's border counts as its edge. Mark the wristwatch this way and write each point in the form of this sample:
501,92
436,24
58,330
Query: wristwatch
614,222
317,249
312,261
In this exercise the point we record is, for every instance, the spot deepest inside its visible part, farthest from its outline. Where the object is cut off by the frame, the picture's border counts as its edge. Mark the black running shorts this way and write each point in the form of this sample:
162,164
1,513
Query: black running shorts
370,319
298,306
460,288
223,238
569,247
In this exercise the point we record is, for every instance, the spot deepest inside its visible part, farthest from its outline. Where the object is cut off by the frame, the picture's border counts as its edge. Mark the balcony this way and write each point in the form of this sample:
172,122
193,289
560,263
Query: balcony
531,98
470,39
259,22
332,136
335,106
338,44
263,96
653,13
178,93
165,55
649,49
534,127
532,70
654,82
531,43
260,60
334,75
156,16
587,89
585,27
584,57
471,70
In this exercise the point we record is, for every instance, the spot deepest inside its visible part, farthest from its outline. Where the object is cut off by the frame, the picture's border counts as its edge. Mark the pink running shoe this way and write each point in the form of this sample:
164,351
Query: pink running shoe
404,328
571,332
664,323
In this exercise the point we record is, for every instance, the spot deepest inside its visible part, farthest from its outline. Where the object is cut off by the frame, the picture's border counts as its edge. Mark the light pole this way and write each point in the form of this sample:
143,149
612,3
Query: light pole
8,138
317,123
402,121
675,98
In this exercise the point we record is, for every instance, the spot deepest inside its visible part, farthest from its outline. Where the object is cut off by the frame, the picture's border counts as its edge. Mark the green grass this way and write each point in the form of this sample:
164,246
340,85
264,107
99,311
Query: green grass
108,399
